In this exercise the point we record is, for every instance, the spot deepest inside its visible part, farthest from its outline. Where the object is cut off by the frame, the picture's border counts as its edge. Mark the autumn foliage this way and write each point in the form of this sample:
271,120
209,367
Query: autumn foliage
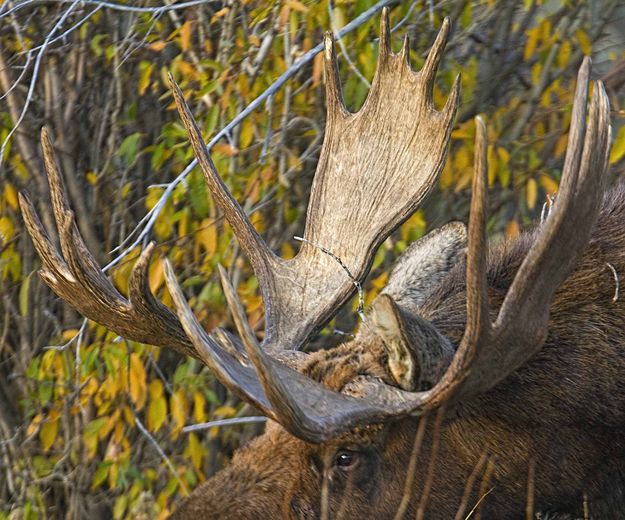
92,424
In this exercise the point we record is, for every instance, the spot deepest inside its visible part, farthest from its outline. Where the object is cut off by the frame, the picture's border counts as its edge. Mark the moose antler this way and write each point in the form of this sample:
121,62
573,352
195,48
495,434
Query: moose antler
385,158
488,352
375,167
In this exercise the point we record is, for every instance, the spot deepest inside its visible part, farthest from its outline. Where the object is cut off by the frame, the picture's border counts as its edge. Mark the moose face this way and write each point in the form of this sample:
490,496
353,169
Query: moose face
280,476
346,439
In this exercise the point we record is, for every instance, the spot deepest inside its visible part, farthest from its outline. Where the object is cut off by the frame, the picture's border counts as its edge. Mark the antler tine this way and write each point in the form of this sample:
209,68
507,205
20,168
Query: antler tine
478,328
551,257
478,322
76,277
404,53
238,313
238,377
578,128
79,259
142,300
334,95
52,261
385,35
428,72
254,246
521,326
451,105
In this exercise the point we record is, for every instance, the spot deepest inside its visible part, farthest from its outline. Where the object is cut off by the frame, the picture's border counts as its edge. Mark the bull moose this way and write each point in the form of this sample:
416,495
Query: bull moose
487,382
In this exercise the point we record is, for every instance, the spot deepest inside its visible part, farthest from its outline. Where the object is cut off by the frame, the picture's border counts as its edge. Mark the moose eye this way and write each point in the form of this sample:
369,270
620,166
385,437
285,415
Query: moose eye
346,459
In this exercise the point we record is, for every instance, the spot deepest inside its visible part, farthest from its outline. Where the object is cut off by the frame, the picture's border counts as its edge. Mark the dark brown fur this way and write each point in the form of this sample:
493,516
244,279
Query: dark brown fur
563,411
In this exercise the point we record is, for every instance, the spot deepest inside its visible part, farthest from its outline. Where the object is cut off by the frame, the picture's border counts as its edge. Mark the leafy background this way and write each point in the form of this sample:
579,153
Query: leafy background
93,425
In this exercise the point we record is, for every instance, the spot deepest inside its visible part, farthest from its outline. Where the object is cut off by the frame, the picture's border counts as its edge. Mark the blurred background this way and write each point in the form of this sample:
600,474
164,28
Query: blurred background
92,425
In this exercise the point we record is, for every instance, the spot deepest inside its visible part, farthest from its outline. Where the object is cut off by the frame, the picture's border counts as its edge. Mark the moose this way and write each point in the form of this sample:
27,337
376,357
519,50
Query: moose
486,381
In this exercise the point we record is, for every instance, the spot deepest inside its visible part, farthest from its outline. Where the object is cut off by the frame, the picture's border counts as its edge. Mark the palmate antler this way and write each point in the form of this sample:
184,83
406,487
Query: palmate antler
376,166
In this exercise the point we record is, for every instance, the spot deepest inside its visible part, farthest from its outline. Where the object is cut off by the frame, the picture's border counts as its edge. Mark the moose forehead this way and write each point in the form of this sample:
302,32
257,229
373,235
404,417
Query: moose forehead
362,357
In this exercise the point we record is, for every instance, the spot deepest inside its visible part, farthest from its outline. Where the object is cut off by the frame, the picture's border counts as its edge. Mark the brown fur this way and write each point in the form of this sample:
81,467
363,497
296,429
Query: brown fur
563,411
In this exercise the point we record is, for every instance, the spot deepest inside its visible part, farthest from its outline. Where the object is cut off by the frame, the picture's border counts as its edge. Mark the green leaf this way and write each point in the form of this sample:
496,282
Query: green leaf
618,148
23,296
128,150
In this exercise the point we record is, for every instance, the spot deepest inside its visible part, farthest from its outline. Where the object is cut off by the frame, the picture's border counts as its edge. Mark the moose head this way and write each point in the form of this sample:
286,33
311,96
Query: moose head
430,383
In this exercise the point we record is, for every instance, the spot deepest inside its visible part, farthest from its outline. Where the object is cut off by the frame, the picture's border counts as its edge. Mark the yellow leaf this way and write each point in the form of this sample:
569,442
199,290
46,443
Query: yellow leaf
199,407
92,178
157,413
531,193
618,147
186,69
564,54
286,251
34,425
146,69
545,27
207,236
549,185
185,35
157,46
584,42
247,133
380,281
222,12
156,389
47,434
560,146
10,195
138,387
113,474
296,6
195,451
156,275
532,41
317,69
225,149
512,229
254,40
152,197
6,229
225,411
178,407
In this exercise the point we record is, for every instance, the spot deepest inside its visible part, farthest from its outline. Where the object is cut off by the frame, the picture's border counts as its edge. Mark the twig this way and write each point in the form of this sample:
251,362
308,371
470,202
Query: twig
616,281
160,451
224,422
77,25
361,298
33,80
469,486
477,504
75,337
412,465
110,5
150,218
547,208
531,477
338,38
436,441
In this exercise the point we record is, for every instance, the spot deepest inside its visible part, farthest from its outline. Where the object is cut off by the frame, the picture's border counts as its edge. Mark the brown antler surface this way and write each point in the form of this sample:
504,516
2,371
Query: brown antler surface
375,167
488,352
76,277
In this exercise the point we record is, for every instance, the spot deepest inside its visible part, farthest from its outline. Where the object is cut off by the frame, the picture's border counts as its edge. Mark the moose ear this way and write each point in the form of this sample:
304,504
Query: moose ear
418,354
422,267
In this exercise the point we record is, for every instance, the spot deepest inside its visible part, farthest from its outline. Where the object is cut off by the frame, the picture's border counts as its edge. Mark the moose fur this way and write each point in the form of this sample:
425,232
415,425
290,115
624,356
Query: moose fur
553,430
